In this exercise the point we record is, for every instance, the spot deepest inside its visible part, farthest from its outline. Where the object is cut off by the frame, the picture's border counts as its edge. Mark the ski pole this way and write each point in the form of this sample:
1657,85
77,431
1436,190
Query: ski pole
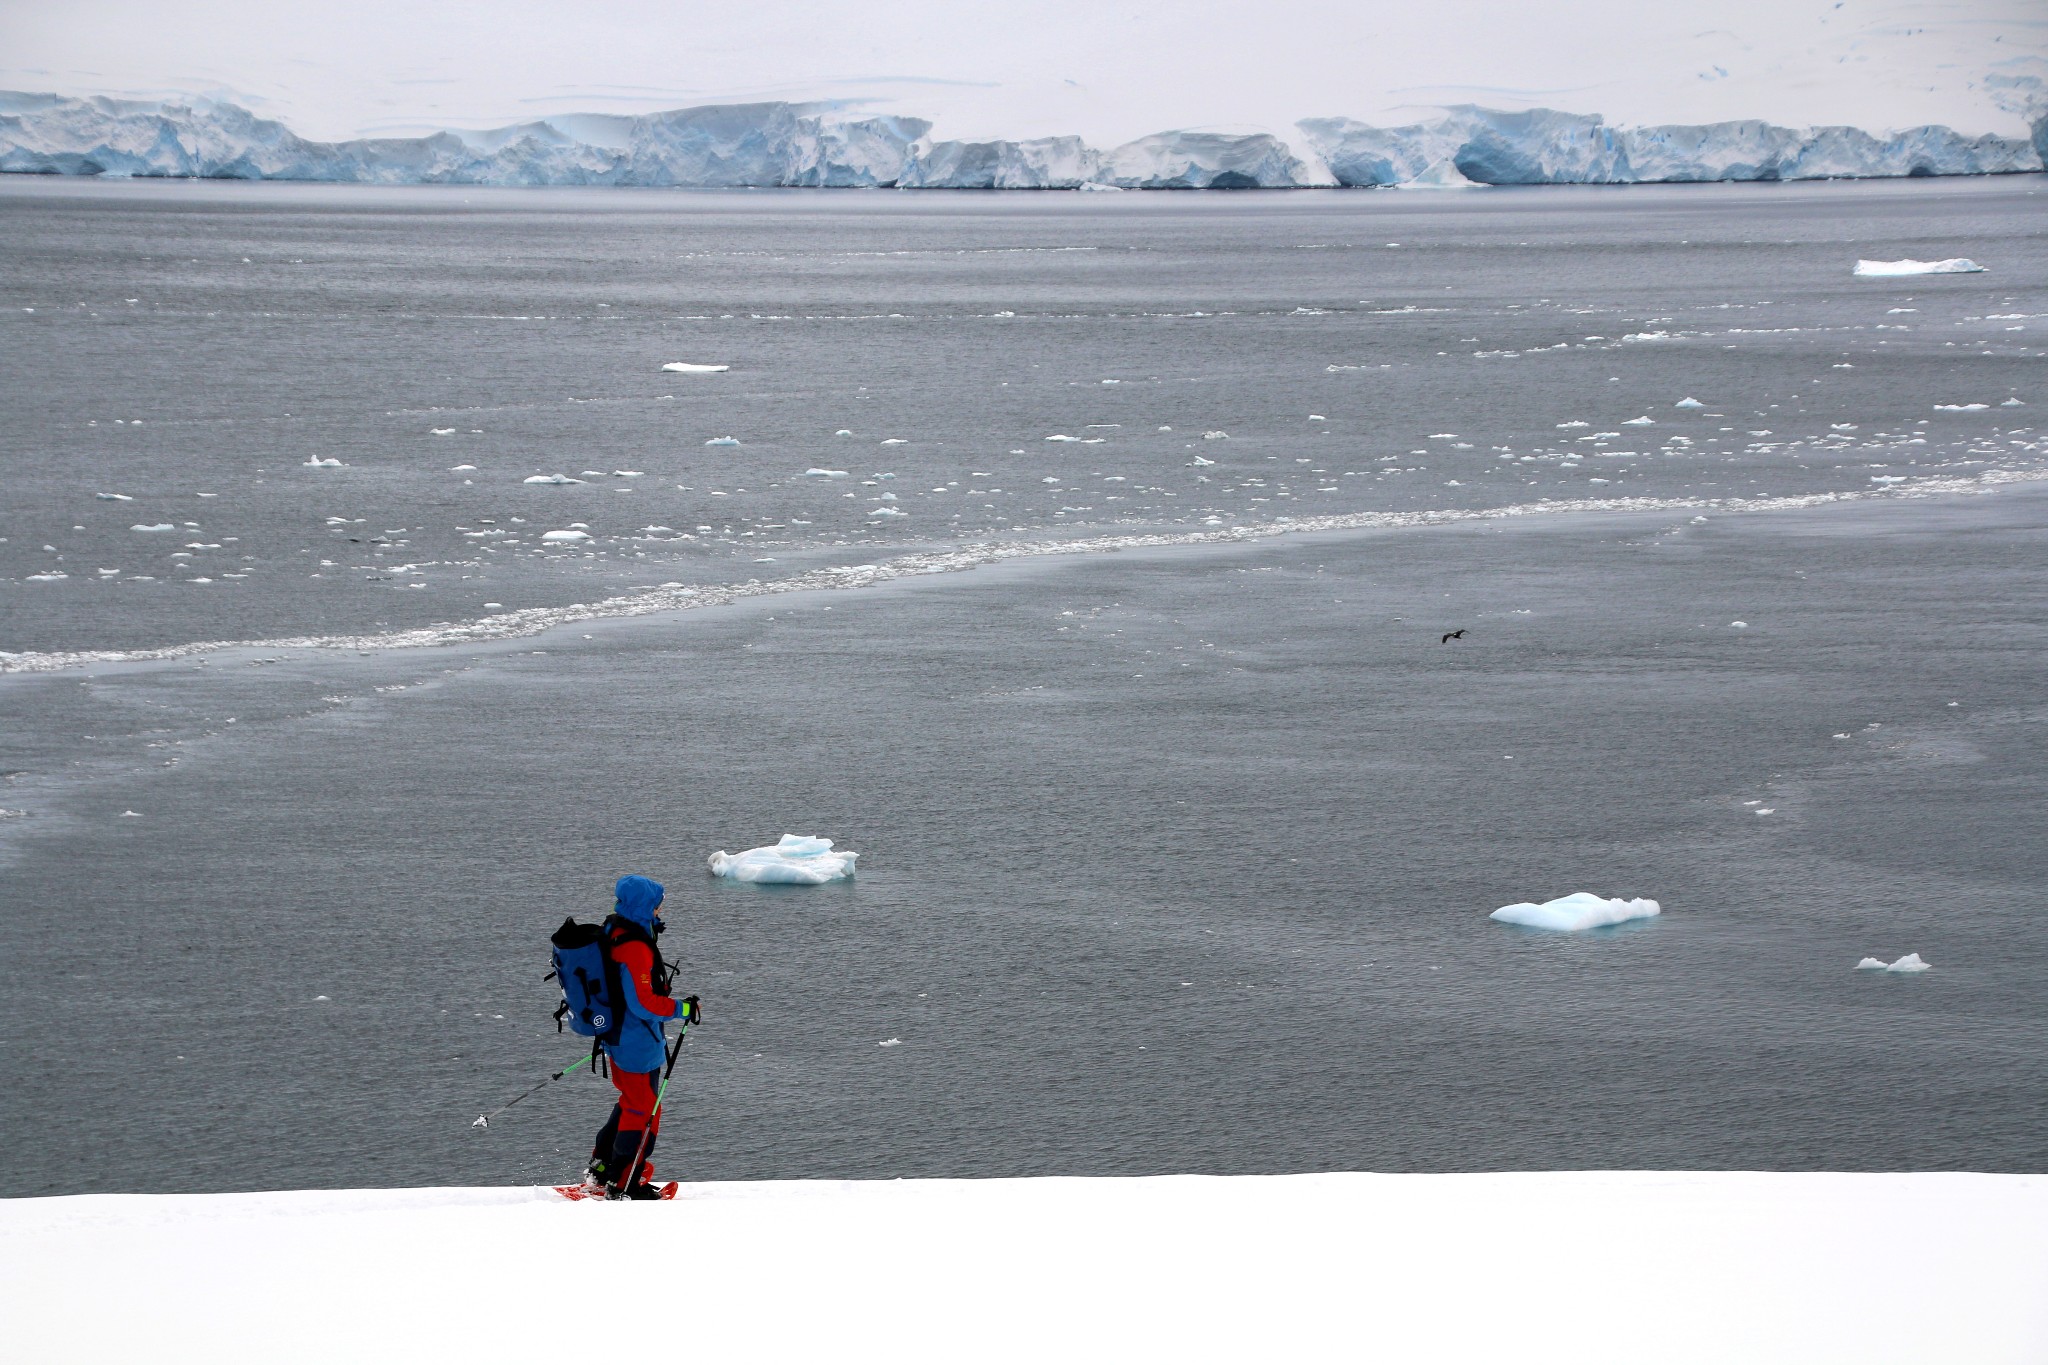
484,1120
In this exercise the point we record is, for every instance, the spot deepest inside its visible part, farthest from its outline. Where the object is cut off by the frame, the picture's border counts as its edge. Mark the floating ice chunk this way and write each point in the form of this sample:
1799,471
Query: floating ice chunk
2008,403
1063,438
160,526
552,478
895,441
843,431
1640,422
441,431
1215,435
462,469
1871,964
723,441
1954,265
1688,403
1961,407
1911,962
898,1042
685,367
123,497
888,512
1580,910
825,474
800,860
1444,175
54,576
1097,187
1566,426
315,462
627,474
1738,625
1200,461
564,537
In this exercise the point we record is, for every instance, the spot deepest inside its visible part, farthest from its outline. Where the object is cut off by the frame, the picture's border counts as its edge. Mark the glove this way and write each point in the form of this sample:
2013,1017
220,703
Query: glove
690,1013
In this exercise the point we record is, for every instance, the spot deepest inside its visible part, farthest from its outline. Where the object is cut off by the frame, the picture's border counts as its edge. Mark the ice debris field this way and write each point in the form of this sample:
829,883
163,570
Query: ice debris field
1583,1267
1579,910
794,860
820,145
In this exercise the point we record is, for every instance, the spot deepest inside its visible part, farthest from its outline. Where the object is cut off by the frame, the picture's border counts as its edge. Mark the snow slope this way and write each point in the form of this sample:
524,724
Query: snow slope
1581,1267
825,144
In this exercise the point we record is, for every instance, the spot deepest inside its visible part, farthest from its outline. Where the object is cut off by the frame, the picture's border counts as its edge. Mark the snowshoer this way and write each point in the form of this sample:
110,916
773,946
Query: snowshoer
618,1158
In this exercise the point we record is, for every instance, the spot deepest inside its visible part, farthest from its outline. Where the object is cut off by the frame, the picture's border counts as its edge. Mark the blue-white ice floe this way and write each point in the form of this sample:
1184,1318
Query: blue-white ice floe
798,859
1580,910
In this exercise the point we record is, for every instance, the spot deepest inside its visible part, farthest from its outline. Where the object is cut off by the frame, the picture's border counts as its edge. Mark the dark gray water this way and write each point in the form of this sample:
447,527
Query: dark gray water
1444,340
1173,860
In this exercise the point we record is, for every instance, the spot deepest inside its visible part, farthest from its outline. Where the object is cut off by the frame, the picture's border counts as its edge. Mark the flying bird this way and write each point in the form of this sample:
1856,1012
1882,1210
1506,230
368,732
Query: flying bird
1454,635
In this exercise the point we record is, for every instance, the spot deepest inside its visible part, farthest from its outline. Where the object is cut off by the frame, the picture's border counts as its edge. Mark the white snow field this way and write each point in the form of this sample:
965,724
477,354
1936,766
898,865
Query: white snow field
794,860
1580,1267
1579,910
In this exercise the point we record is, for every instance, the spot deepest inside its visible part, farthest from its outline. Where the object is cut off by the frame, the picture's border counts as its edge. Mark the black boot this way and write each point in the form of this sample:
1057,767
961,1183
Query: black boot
623,1177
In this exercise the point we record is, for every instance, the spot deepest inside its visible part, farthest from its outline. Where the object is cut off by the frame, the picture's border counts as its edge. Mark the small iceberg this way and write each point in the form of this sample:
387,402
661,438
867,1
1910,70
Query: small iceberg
1961,407
1954,265
1688,403
1580,910
1911,962
815,473
685,367
1444,175
552,478
723,441
123,497
159,527
796,860
1640,422
315,462
564,537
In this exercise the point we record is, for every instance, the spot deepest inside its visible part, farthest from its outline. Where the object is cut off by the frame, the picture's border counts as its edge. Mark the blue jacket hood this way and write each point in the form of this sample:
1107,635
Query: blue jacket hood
639,897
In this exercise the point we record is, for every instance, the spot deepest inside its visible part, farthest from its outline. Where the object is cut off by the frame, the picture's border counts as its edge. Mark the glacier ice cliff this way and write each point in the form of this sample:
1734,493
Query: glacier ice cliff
827,145
1547,147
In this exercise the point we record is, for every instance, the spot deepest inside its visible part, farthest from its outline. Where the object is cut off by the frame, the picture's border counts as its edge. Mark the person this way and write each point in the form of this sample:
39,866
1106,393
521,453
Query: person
619,1167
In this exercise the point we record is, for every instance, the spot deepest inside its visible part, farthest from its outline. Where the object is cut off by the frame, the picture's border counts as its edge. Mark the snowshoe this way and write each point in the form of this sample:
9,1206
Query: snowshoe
643,1191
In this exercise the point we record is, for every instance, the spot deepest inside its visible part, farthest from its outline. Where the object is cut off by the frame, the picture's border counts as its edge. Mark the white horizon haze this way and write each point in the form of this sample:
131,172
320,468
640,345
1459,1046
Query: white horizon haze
1012,69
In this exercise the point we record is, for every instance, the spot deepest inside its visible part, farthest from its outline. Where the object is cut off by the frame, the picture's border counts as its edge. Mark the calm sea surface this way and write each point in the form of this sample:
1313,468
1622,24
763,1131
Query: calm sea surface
1173,859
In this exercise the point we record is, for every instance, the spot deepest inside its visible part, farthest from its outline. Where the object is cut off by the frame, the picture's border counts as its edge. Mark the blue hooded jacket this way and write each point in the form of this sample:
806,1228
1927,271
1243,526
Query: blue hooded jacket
642,1045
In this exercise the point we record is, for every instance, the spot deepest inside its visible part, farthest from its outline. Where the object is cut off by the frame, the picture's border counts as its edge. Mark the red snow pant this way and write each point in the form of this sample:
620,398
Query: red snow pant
635,1109
632,1116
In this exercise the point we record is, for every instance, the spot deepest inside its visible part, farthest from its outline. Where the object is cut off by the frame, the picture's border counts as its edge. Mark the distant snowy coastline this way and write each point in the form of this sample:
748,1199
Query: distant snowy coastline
826,145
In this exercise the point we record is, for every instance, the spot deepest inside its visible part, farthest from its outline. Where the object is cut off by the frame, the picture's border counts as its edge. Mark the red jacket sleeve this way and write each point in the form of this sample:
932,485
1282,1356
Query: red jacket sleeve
636,966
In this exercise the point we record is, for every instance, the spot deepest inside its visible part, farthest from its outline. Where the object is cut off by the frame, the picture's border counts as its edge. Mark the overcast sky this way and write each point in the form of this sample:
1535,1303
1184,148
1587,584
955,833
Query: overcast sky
1107,69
